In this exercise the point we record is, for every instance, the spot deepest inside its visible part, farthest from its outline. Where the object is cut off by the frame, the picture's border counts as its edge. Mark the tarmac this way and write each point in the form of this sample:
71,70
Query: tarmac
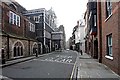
86,68
11,62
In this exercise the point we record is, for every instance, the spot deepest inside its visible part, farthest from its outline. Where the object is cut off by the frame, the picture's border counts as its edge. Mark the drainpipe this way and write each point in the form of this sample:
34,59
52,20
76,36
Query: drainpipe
99,30
29,47
8,47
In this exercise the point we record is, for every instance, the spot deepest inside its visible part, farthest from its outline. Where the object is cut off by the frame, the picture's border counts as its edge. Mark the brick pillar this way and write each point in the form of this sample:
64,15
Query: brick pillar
119,39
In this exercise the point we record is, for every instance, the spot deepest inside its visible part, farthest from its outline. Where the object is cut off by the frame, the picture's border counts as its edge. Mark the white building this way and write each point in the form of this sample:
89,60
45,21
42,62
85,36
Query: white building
79,36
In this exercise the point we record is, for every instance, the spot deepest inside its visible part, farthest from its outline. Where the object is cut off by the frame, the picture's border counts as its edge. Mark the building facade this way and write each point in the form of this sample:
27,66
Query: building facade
70,43
45,22
57,41
15,32
109,33
77,40
91,40
61,29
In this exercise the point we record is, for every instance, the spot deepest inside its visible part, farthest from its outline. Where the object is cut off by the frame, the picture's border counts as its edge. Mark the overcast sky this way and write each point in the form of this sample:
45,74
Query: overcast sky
68,12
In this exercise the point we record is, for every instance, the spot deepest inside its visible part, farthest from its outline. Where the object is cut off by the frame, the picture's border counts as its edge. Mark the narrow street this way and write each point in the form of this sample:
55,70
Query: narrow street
54,65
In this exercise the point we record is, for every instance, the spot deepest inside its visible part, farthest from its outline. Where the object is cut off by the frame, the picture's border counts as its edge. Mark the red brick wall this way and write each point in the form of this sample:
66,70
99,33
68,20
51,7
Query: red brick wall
11,28
119,37
110,26
99,31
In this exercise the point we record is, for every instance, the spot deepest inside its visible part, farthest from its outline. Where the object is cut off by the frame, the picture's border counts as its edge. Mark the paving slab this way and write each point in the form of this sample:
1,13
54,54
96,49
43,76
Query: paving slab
89,68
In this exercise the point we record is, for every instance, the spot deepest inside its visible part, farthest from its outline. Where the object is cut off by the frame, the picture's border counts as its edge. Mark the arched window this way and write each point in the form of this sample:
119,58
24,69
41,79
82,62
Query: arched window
35,48
21,50
13,6
14,50
18,49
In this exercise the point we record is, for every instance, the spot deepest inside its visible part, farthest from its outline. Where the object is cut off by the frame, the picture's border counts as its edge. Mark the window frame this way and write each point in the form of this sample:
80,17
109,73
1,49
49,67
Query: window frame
36,19
108,8
14,18
109,45
95,20
31,27
11,21
18,21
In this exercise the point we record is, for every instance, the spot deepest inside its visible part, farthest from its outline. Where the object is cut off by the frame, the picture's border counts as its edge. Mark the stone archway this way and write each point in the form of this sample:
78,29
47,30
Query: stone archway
35,48
47,49
40,48
56,46
17,49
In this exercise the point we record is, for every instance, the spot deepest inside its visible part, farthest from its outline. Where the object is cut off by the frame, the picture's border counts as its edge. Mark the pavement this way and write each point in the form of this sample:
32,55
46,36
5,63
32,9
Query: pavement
89,68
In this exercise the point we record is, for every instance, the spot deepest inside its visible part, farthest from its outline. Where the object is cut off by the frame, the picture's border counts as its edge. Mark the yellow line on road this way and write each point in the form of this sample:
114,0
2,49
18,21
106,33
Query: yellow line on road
73,71
71,77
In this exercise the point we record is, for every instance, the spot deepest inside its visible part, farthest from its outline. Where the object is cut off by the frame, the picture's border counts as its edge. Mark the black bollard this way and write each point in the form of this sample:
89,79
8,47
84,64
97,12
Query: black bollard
3,56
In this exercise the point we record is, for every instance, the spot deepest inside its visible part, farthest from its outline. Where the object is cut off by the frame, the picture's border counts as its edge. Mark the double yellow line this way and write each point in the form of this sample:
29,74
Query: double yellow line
71,77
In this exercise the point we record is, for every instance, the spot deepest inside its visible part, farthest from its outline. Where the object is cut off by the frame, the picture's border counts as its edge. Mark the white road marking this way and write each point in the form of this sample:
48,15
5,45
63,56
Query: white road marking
78,76
48,73
60,58
58,62
4,77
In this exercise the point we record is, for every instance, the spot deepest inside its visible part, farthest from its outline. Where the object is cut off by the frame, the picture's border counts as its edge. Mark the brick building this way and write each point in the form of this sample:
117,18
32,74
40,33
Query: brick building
61,28
17,31
91,40
109,33
45,21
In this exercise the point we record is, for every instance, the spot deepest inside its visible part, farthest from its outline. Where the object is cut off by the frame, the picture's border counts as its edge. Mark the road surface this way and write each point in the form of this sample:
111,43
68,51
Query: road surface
53,65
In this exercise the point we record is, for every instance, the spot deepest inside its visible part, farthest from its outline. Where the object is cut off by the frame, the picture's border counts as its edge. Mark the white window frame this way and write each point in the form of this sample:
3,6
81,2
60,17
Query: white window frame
14,18
31,27
18,21
11,16
36,19
109,45
95,18
109,8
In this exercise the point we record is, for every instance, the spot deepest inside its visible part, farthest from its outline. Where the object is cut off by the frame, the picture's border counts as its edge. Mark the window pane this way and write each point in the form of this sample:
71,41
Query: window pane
18,51
109,45
108,8
14,54
21,51
10,17
30,27
110,40
95,20
18,20
14,19
110,51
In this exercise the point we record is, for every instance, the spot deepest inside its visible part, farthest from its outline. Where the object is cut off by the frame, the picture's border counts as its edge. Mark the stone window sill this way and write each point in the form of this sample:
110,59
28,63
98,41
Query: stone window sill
109,57
107,18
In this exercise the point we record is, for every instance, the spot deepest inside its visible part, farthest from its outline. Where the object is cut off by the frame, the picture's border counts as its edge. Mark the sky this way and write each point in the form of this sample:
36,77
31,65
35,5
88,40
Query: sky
68,12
